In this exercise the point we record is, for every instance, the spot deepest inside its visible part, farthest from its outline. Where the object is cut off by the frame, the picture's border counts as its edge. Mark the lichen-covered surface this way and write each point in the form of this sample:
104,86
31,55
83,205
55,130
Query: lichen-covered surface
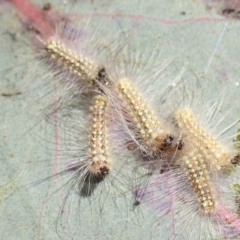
204,41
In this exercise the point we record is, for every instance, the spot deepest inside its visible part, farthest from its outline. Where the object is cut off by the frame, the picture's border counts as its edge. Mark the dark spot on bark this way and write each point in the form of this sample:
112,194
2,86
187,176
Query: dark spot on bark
47,6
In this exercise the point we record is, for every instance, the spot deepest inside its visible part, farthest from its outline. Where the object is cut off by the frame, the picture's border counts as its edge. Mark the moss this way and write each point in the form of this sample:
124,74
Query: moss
231,168
236,188
237,139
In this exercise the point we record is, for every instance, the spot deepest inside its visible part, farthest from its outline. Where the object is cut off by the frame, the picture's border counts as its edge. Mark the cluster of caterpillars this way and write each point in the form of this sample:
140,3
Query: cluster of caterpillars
88,73
197,153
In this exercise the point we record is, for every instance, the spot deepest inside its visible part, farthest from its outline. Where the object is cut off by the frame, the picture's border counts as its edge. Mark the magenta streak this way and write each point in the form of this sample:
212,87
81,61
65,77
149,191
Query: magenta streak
171,209
154,19
55,165
56,133
228,217
56,144
35,14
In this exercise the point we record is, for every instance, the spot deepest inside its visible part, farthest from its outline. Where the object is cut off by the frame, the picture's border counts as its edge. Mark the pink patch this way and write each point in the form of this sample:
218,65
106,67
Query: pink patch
34,14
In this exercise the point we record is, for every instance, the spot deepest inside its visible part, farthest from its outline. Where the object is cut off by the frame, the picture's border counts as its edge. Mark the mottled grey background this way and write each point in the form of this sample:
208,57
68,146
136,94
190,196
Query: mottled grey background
190,34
